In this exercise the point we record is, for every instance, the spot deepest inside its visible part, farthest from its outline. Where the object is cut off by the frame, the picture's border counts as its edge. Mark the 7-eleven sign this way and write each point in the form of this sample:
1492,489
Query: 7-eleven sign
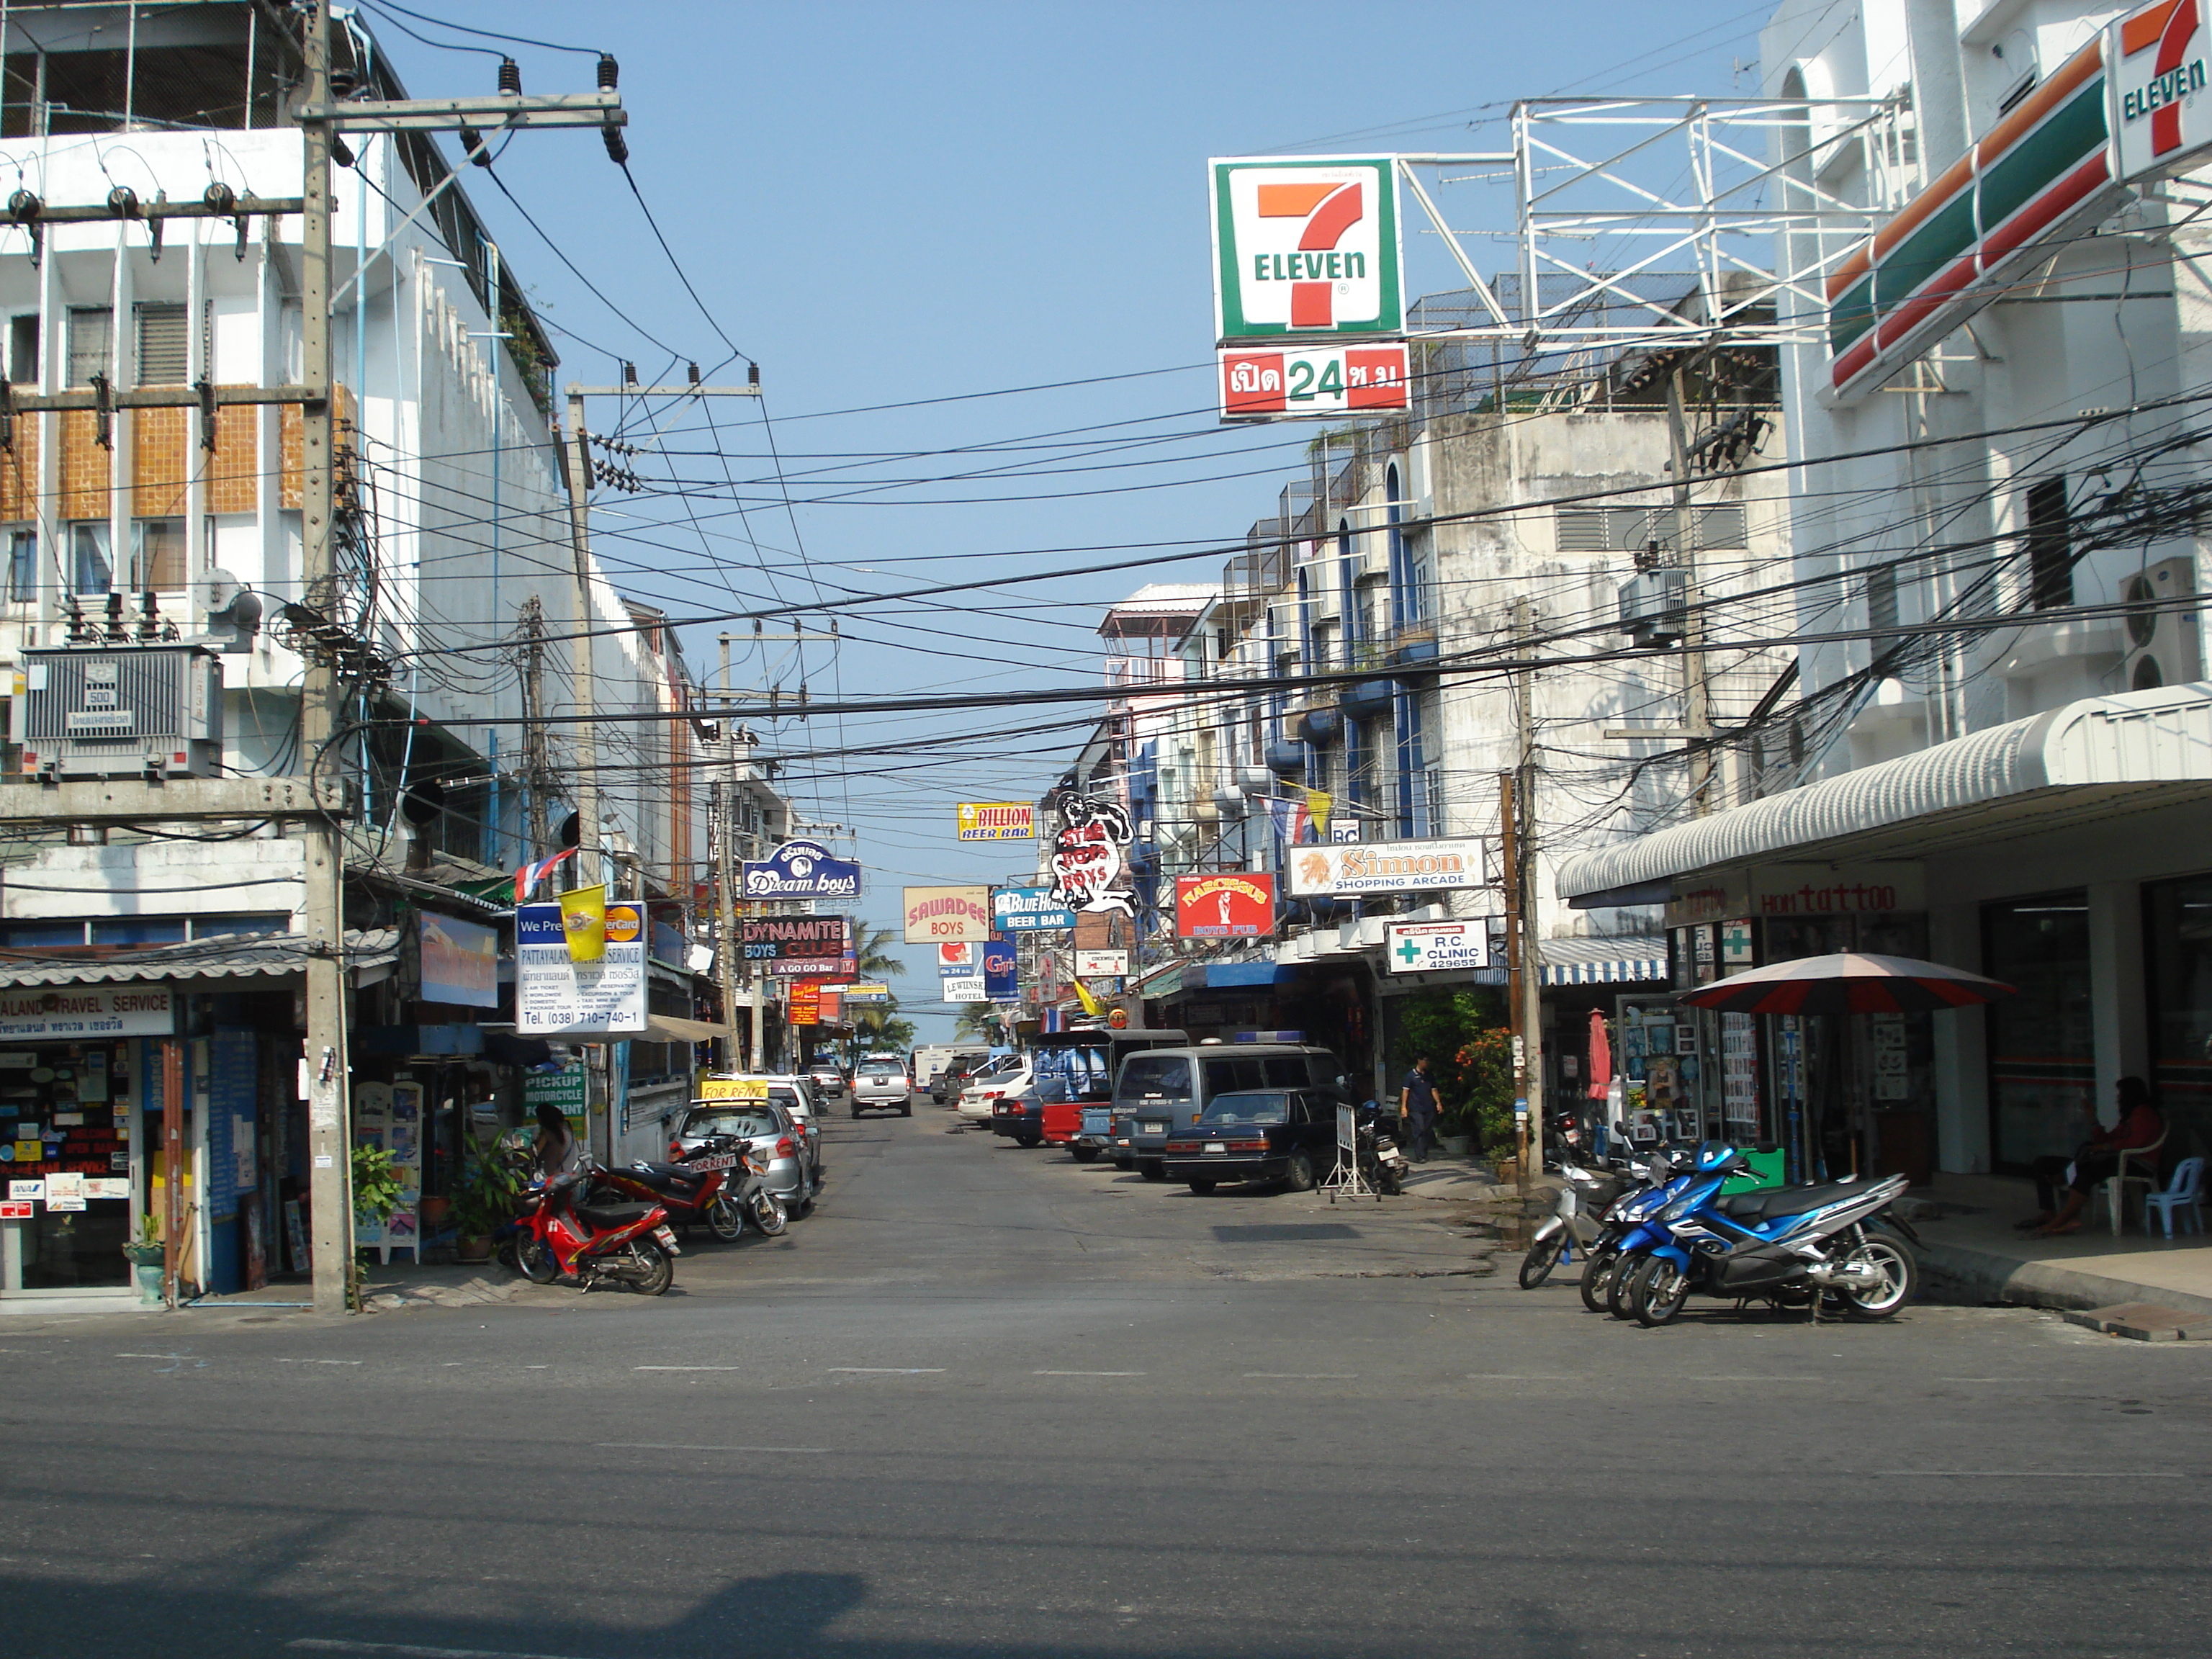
1306,246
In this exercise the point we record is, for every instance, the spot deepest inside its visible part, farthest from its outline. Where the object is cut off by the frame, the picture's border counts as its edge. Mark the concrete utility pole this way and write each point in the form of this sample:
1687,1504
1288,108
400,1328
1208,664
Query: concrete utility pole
1524,988
1697,714
330,1167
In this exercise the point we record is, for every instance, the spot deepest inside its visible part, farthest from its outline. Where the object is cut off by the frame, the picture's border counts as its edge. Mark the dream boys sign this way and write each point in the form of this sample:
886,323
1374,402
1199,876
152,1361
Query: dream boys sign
801,869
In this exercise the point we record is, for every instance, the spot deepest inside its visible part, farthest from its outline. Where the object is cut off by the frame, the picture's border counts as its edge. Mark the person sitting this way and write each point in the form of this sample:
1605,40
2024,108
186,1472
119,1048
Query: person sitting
2062,1185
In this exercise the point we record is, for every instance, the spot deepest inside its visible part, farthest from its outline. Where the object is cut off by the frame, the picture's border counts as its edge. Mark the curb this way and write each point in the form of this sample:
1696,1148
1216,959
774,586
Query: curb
476,1292
1981,1276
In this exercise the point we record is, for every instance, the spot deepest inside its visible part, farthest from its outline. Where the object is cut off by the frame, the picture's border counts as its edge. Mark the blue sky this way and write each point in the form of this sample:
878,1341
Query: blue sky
886,203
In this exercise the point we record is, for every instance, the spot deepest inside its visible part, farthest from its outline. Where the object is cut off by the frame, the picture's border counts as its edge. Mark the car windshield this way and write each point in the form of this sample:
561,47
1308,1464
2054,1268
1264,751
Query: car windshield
1165,1076
735,1120
1000,1067
1255,1109
789,1100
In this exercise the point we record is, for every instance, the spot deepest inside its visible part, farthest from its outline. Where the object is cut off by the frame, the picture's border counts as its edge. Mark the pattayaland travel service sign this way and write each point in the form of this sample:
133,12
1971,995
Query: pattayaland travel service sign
1386,867
1306,246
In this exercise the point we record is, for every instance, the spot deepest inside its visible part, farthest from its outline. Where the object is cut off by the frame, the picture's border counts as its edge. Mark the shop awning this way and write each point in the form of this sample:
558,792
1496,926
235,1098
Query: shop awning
2080,763
1621,961
261,956
667,1028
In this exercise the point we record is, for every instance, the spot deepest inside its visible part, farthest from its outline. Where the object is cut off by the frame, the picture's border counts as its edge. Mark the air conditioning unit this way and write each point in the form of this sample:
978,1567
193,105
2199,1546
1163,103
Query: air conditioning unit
121,711
2163,643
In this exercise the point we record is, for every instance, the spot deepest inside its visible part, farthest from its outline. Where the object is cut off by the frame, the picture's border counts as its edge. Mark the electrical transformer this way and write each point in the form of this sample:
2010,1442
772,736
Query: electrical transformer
121,711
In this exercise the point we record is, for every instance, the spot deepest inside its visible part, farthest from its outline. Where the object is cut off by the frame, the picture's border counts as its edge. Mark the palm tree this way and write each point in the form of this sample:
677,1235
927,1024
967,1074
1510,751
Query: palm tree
980,1019
872,952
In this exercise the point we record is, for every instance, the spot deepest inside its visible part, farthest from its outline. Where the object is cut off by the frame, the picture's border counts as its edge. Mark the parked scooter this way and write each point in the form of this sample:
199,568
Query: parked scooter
630,1244
718,1185
1803,1246
1382,1159
1575,1227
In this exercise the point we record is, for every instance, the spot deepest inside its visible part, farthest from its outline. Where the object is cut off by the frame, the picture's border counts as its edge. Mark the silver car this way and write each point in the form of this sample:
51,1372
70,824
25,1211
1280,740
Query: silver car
770,1136
882,1086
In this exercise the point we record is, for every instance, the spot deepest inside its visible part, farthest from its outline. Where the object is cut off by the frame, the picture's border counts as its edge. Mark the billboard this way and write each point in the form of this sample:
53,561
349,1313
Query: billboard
955,955
1001,983
805,1007
1306,246
1300,382
800,869
1029,910
2157,58
964,988
558,996
1102,964
997,820
811,947
1233,904
459,961
947,916
1333,870
1431,947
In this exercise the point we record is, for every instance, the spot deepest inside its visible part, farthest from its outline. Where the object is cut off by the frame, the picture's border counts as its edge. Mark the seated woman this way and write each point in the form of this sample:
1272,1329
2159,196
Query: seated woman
2064,1196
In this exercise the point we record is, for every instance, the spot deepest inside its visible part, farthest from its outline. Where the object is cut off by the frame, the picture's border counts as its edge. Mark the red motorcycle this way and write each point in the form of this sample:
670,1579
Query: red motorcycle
561,1232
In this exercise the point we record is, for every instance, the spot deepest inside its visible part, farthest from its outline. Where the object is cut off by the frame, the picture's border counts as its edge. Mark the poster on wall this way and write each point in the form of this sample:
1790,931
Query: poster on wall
567,1091
459,961
558,996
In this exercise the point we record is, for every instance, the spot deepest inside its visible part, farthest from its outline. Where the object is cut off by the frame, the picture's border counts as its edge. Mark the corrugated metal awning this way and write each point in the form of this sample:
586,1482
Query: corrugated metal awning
2073,764
261,956
1630,960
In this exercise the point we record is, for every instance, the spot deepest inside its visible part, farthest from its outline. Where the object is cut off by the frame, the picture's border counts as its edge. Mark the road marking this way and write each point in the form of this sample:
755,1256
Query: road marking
1521,1376
403,1650
686,1368
280,1361
149,1356
1304,1376
1086,1373
2034,1474
891,1370
658,1445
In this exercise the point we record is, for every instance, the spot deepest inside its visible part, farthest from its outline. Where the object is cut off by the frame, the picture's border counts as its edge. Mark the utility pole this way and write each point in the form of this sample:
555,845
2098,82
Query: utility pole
329,1161
1524,988
1697,714
537,775
726,950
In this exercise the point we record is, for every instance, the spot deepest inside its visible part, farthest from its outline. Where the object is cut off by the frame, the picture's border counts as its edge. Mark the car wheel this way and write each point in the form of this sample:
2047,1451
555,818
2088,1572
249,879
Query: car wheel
1152,1169
1299,1174
1030,1142
1083,1154
1201,1185
1125,1164
906,1110
856,1111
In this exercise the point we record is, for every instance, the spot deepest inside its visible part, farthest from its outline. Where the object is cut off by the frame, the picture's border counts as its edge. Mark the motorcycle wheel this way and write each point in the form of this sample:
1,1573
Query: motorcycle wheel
1900,1279
723,1220
1619,1287
650,1271
1661,1289
1598,1279
1543,1256
769,1215
536,1259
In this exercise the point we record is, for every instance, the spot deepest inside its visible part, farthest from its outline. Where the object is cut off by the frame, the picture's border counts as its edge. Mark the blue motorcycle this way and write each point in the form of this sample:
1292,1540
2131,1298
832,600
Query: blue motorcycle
1795,1246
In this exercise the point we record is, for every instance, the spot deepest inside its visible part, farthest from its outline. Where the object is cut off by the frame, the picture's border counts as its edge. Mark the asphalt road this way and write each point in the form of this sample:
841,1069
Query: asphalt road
985,1402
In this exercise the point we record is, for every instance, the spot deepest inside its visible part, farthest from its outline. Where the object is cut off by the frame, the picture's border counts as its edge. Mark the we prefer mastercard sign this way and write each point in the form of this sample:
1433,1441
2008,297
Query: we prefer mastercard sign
1306,246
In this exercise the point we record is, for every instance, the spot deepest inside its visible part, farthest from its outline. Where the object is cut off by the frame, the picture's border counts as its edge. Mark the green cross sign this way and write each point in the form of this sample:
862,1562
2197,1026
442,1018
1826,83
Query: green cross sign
1409,952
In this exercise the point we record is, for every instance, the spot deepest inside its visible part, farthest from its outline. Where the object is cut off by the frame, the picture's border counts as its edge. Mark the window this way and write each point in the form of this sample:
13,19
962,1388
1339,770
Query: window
91,345
22,565
1161,1077
164,347
40,935
1324,647
91,569
2050,550
157,555
1882,601
2041,1059
228,926
23,349
1631,529
137,930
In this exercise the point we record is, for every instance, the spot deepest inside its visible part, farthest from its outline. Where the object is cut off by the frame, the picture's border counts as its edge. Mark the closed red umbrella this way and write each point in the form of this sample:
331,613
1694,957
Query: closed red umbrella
1601,1057
1848,982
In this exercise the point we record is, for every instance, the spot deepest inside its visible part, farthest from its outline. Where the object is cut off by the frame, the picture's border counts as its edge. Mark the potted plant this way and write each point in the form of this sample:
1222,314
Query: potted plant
484,1200
146,1254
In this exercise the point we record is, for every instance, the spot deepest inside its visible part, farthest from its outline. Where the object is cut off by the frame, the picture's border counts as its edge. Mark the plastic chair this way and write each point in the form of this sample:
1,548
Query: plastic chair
2185,1193
2144,1175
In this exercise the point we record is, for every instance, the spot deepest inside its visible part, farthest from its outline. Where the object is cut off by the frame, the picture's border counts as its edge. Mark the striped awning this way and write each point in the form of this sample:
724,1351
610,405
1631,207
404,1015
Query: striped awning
1635,960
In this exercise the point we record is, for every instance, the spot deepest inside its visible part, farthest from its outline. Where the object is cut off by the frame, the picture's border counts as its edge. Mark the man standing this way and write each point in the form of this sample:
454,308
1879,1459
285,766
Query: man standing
1417,1104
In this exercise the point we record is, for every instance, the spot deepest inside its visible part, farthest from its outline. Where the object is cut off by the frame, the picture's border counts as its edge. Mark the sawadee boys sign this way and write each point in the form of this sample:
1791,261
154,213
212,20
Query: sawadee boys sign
1307,245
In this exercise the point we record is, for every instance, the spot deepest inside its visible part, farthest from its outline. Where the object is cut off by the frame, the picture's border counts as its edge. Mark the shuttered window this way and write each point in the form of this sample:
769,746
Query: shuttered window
91,343
164,344
1631,529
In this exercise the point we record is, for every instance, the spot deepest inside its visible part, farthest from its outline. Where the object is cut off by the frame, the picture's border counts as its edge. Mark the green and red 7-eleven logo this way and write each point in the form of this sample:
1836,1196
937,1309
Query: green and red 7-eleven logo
1306,246
2159,85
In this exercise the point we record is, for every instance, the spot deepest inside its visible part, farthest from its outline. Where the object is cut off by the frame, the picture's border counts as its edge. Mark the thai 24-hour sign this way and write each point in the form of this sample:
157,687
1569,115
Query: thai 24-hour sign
1307,245
1233,904
996,820
800,869
1318,380
1386,867
811,947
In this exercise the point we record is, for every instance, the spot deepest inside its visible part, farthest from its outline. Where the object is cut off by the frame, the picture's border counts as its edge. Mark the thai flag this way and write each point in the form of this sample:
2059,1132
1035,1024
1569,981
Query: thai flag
530,875
1049,1021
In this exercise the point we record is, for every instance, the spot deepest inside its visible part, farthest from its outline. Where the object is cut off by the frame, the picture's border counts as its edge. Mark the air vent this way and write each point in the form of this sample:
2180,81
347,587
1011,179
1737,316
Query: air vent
2163,646
124,712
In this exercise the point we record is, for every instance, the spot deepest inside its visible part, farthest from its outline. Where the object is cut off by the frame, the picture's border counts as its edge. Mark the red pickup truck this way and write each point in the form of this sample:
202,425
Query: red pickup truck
1074,1077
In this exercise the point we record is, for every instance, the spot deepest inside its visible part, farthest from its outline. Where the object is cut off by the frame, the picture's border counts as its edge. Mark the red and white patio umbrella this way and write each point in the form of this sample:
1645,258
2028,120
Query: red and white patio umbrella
1849,983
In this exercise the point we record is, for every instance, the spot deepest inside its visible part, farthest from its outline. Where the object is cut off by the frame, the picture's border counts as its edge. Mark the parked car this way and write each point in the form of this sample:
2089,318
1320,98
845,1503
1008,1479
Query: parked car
1020,1115
1162,1089
1287,1135
955,1075
796,1097
1075,1074
770,1135
827,1081
882,1086
1007,1074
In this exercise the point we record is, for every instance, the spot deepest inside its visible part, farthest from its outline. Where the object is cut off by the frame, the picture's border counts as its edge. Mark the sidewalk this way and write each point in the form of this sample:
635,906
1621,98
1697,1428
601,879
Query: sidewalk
1972,1253
1466,1181
393,1288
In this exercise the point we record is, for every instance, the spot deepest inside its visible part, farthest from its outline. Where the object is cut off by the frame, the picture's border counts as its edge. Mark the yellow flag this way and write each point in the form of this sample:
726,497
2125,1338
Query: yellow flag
584,919
1091,1003
1317,806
